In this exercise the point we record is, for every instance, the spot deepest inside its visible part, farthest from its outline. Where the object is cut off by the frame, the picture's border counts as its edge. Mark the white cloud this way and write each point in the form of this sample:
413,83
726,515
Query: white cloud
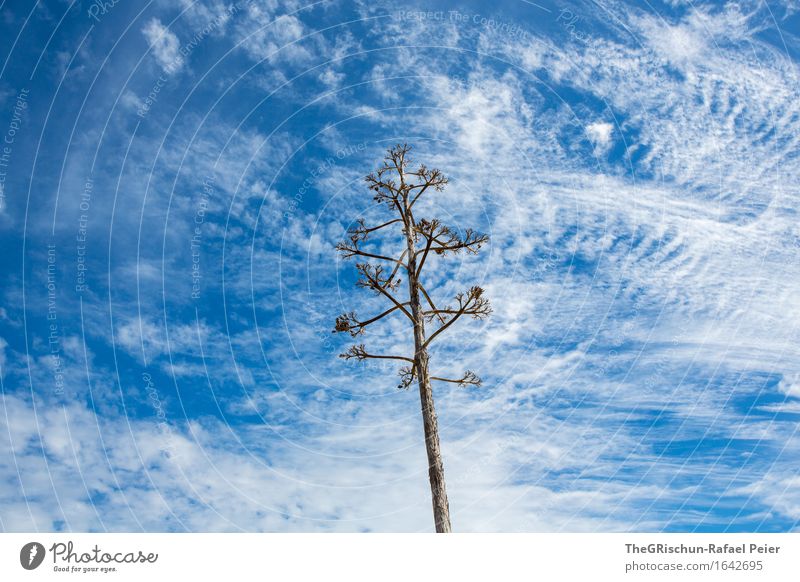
265,35
600,135
164,44
680,45
790,386
331,78
780,488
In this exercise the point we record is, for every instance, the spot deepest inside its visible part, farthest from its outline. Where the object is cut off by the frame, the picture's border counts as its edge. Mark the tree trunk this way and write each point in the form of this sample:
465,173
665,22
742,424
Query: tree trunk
441,509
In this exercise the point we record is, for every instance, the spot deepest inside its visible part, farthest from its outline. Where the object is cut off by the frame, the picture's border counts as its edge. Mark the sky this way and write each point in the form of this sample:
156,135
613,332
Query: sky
174,177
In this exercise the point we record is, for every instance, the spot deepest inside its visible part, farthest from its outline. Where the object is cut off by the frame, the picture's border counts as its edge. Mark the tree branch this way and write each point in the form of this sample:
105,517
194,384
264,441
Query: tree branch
359,353
394,271
407,375
424,256
351,250
398,155
372,280
349,321
362,231
385,189
430,302
433,178
471,303
474,312
448,240
468,379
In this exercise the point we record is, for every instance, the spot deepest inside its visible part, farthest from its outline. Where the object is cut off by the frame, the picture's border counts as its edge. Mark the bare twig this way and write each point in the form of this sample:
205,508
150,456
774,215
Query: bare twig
372,279
470,303
407,375
468,379
360,353
349,321
351,250
362,230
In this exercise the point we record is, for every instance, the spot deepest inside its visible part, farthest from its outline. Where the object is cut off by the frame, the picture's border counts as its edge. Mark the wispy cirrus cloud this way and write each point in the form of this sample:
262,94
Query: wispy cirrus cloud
165,45
638,183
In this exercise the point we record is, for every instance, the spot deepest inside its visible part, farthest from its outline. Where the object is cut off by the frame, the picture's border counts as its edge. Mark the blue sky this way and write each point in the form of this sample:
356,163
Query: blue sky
175,176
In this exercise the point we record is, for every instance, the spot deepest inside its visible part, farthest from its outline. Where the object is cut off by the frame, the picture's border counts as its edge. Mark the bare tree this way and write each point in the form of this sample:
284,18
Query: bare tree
400,187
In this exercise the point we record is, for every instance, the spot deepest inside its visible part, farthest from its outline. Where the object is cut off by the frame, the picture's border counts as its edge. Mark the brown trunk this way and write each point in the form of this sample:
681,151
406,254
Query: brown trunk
441,509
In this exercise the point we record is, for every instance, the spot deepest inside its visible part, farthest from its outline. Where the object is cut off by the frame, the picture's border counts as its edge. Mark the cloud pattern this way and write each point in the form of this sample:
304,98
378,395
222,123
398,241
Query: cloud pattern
179,179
